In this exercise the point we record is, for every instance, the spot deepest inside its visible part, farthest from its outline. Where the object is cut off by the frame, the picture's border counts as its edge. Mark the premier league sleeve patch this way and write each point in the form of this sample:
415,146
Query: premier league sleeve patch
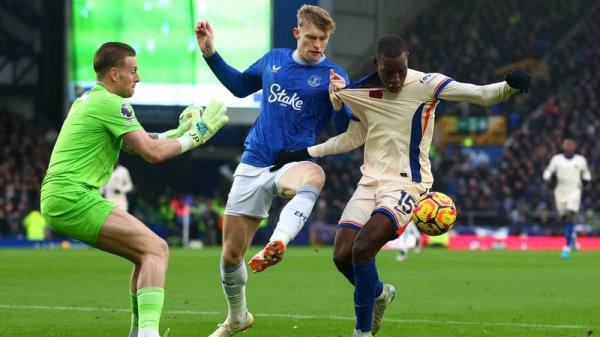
127,113
126,110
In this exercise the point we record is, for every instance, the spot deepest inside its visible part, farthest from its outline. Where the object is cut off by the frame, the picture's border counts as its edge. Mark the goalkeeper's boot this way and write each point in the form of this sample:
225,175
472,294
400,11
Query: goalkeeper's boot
229,328
388,295
358,333
270,255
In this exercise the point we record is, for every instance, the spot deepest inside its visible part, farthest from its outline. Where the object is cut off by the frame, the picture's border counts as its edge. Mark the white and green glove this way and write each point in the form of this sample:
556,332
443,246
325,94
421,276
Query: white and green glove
185,122
204,126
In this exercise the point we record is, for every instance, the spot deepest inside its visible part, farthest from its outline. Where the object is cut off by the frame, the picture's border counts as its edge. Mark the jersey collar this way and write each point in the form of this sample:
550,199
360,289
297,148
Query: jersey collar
297,58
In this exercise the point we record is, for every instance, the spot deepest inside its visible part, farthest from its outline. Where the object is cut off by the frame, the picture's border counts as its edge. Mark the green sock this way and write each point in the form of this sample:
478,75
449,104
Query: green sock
134,310
150,303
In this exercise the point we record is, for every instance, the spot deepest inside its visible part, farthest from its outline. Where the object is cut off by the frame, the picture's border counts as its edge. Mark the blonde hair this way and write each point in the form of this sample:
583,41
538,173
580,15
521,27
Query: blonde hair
317,16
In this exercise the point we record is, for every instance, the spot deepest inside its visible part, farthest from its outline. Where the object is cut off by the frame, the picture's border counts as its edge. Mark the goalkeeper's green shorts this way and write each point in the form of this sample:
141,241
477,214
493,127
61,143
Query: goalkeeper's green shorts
77,214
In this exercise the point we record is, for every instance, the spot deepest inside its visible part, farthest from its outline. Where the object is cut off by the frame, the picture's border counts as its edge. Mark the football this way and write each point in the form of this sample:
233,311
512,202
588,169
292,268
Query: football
434,213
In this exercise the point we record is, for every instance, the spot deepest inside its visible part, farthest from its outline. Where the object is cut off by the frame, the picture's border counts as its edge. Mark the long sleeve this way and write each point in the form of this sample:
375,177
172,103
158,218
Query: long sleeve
241,84
341,116
341,119
549,171
127,185
586,174
353,138
476,94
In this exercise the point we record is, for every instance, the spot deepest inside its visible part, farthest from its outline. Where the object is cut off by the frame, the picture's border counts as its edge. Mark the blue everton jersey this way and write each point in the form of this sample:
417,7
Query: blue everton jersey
295,105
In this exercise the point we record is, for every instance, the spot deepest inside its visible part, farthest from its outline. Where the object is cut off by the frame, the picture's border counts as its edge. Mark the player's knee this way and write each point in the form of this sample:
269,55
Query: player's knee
342,257
156,252
362,252
232,256
162,250
315,177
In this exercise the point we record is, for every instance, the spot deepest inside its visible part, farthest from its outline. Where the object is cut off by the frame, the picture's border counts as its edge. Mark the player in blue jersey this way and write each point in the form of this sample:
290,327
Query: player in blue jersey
295,108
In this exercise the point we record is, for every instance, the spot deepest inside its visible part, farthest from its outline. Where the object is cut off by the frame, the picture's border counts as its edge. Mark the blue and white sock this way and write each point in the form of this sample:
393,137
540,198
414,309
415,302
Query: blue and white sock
233,280
294,215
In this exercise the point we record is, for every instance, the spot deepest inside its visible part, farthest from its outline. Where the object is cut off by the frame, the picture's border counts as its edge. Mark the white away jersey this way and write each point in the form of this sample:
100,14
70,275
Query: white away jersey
397,128
569,172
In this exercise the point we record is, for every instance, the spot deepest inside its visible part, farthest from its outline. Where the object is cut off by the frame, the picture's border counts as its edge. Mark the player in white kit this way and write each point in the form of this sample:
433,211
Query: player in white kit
118,186
571,170
410,238
393,116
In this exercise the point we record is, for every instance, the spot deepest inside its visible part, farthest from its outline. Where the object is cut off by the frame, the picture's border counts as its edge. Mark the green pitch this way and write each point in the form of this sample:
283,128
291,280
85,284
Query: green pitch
70,293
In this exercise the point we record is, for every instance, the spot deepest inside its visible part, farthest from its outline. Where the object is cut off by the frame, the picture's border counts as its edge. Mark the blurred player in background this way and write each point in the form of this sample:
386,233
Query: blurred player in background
410,238
393,113
571,171
295,108
99,123
118,186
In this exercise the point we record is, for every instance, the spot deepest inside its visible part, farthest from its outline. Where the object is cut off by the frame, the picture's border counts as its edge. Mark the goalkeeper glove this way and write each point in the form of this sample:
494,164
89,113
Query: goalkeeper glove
518,79
185,123
285,157
204,127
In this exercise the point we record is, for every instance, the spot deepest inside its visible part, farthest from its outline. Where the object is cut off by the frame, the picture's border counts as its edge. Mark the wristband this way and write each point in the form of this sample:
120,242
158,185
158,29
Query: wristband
185,142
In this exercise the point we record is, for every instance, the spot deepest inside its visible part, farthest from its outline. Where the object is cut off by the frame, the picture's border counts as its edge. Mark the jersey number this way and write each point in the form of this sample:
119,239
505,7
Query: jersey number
406,203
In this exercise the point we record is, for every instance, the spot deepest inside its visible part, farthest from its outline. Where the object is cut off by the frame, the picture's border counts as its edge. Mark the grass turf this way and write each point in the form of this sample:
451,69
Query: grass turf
69,293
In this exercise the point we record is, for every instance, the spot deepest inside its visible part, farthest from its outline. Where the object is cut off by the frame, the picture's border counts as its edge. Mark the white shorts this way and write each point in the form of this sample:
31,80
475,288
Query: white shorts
567,202
253,190
395,199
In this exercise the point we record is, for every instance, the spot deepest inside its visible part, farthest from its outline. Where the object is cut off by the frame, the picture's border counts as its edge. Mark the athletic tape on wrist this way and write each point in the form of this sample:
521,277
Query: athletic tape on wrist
185,142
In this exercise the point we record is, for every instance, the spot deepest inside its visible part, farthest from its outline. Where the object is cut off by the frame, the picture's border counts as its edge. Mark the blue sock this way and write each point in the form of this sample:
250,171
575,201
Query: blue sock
569,234
348,272
366,280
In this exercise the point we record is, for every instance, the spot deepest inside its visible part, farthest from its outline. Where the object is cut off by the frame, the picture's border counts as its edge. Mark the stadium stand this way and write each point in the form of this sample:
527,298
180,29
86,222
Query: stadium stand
24,158
468,45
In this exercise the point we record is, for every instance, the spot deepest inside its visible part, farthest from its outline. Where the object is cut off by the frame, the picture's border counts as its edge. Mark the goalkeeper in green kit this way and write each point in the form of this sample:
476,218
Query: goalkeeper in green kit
99,124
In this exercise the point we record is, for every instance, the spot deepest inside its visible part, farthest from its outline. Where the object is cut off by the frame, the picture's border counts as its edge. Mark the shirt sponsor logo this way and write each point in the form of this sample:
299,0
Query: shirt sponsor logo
277,94
314,81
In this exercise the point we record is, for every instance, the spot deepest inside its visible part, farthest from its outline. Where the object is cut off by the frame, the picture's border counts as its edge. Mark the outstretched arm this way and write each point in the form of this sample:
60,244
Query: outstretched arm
486,94
353,138
344,142
240,84
202,129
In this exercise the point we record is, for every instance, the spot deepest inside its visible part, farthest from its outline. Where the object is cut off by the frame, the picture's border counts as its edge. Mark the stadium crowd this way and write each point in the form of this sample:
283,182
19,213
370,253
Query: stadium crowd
563,101
24,158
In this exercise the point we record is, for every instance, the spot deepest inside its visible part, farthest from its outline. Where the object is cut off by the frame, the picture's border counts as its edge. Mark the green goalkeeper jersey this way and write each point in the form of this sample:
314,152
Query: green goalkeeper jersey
89,142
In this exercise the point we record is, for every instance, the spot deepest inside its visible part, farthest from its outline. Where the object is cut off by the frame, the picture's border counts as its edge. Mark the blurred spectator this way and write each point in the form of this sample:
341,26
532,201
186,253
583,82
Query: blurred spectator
35,226
319,231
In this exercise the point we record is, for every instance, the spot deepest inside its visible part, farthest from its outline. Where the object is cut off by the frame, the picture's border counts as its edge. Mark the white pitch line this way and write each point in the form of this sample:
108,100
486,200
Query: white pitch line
296,316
